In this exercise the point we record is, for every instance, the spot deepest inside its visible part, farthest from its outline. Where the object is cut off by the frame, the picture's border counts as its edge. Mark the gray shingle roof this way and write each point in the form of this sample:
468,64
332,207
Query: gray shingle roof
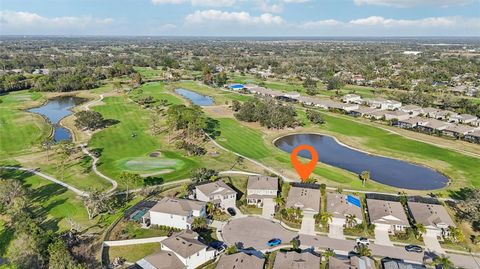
294,260
175,206
304,198
430,214
262,183
217,187
184,243
240,261
386,212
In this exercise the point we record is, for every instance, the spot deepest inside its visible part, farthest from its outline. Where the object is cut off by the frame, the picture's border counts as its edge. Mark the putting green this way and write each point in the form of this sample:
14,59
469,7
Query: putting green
149,164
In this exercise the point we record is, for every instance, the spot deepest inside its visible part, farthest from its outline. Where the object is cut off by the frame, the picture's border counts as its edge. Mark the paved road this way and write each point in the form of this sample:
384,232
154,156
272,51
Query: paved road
95,170
47,177
255,232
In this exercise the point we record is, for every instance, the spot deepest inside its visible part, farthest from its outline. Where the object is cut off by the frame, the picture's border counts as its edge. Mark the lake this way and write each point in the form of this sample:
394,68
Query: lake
56,109
197,99
388,171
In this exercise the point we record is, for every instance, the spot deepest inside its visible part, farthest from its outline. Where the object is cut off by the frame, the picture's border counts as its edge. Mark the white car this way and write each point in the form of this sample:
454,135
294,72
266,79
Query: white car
363,241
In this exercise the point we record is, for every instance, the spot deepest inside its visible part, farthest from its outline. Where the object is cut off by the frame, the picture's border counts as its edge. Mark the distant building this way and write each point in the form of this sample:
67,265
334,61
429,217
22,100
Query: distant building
412,52
260,188
462,118
218,193
295,260
473,137
397,115
432,125
240,260
413,110
387,215
173,212
352,98
382,103
389,263
458,130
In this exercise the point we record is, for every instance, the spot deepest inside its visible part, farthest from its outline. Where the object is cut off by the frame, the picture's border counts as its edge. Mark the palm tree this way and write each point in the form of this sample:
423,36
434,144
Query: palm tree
363,250
326,218
280,202
443,261
454,233
295,242
47,145
365,176
210,208
351,220
420,230
327,254
199,223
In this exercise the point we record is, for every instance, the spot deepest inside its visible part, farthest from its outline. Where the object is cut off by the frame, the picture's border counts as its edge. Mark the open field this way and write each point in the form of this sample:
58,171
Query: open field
20,130
132,253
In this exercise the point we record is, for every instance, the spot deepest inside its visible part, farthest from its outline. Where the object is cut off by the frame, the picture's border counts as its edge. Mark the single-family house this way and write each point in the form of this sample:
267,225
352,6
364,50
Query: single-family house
430,112
390,263
362,111
240,260
295,260
462,118
173,212
397,115
382,103
218,193
473,137
341,206
260,188
352,98
458,130
306,198
432,125
182,250
410,123
475,123
434,217
387,215
413,110
376,114
442,114
352,262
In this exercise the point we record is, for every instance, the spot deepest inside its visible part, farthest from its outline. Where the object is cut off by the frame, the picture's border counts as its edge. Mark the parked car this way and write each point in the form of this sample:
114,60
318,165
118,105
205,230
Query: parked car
231,211
274,242
218,245
414,248
363,241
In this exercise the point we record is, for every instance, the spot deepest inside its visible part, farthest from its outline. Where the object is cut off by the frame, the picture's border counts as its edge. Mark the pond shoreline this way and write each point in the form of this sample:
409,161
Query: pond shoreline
408,162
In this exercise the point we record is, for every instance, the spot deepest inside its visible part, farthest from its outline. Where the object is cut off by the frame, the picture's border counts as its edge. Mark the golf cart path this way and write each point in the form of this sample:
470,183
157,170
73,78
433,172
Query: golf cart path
47,177
95,170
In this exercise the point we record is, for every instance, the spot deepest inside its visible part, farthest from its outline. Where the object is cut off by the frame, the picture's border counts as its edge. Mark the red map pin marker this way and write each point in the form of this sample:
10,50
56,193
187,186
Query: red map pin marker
304,170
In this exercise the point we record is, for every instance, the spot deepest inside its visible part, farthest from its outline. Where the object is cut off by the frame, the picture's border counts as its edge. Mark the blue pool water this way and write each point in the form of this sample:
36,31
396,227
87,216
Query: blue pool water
197,99
236,86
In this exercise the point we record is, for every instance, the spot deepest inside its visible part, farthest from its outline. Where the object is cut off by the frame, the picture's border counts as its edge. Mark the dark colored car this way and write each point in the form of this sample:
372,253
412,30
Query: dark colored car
414,248
231,211
274,242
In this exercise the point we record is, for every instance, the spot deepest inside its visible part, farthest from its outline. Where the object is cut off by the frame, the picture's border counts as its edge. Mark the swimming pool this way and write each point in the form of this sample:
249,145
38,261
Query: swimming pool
236,86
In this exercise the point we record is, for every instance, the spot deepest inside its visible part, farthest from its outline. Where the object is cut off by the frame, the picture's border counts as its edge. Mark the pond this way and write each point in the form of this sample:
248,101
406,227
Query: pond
56,109
197,99
392,172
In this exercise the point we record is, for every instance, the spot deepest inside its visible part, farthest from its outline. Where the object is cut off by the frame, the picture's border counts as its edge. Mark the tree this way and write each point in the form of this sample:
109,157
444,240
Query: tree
210,208
419,230
47,145
199,223
128,179
351,220
326,218
363,250
11,193
454,234
136,80
220,79
334,84
90,120
60,258
470,206
443,261
327,254
203,174
310,86
65,150
207,75
236,105
364,177
315,117
96,202
238,160
295,242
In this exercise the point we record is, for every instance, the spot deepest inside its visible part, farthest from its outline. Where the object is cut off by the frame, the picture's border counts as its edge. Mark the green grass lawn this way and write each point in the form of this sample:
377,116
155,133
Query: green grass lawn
20,130
131,138
132,253
157,90
148,73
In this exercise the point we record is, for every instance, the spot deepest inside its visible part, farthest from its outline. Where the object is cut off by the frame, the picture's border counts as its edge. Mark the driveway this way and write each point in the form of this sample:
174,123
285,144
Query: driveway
335,230
254,232
308,223
268,208
431,243
381,235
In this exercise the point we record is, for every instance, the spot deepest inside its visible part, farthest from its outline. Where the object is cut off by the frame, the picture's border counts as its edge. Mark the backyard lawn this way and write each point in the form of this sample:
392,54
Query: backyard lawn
132,253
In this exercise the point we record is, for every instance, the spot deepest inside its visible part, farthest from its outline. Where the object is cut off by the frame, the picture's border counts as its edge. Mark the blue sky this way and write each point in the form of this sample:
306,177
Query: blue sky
241,17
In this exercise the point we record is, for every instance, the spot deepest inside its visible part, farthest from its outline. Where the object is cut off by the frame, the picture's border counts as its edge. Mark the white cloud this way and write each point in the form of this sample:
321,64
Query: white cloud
265,6
18,22
296,1
413,3
426,22
320,23
209,3
218,16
